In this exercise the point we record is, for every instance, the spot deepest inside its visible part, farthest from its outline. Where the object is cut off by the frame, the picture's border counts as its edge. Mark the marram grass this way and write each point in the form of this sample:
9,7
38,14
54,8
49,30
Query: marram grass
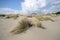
48,18
44,18
26,24
21,27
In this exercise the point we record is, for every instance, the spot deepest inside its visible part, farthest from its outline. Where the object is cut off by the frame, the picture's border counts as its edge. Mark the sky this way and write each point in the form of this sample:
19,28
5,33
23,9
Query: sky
29,6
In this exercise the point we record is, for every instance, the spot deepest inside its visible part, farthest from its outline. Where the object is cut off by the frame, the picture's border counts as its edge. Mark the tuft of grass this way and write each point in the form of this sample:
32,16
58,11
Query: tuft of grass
37,23
48,18
15,17
44,17
39,17
21,27
53,15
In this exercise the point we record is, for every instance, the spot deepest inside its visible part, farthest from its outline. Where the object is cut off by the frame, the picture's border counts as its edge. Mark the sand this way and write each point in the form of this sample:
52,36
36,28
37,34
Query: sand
52,31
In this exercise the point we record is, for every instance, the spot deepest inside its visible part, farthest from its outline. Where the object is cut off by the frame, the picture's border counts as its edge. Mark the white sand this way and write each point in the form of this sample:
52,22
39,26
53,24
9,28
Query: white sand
52,31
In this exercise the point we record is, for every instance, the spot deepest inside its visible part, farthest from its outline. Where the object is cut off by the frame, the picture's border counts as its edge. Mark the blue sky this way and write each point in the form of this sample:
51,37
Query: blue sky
14,4
29,6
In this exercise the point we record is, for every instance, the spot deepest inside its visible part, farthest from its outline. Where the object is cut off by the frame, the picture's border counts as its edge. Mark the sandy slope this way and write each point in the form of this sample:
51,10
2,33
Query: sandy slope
52,31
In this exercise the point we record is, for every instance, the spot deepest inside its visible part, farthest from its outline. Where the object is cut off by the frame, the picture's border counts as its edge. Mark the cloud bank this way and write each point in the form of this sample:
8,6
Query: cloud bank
35,6
40,6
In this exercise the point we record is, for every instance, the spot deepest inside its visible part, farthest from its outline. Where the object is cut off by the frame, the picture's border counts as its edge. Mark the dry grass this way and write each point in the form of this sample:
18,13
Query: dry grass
44,18
21,27
52,15
25,23
39,17
47,18
39,25
11,16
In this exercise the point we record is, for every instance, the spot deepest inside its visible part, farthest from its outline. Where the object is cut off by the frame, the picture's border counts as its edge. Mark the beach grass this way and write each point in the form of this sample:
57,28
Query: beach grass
21,26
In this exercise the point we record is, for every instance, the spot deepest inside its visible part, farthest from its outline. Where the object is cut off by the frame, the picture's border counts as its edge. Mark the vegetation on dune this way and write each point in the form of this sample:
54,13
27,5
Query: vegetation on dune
44,18
22,26
39,25
26,24
39,17
11,16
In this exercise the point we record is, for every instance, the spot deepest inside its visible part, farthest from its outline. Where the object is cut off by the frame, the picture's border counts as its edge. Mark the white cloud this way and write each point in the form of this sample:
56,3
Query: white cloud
8,11
53,9
54,6
40,6
30,6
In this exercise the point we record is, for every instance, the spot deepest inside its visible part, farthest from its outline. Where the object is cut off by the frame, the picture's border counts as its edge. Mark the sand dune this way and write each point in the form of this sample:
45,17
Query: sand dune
52,31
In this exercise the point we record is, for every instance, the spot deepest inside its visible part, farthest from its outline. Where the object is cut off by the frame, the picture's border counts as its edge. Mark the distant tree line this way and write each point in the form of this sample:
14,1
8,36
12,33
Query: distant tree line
57,13
2,15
